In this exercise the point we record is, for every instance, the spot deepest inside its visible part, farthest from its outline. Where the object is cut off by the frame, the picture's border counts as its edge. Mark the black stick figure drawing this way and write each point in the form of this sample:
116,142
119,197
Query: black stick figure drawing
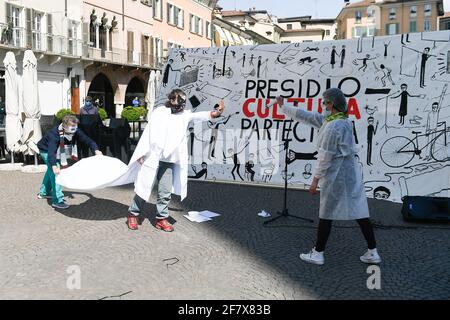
386,74
183,56
423,63
233,53
407,38
215,130
287,176
355,134
364,61
201,173
237,164
192,138
342,56
431,128
249,165
167,70
371,132
386,45
404,94
258,72
214,70
306,59
293,156
243,60
333,56
266,68
252,57
307,49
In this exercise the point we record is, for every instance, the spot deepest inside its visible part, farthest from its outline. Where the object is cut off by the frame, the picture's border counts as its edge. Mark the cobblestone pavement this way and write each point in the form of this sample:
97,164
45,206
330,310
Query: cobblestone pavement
232,257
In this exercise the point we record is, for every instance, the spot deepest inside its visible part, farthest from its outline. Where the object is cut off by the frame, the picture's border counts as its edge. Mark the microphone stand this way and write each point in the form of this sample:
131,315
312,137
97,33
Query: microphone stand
285,211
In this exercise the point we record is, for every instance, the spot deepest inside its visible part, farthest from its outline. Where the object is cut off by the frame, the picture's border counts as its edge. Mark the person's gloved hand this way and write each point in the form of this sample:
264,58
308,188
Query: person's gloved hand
280,101
219,110
313,187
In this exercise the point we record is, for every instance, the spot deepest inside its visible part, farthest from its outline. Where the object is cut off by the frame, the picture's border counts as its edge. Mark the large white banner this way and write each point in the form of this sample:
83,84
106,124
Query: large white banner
397,96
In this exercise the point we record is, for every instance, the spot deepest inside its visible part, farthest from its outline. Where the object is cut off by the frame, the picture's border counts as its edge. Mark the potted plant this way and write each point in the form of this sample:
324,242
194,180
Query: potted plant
131,113
102,114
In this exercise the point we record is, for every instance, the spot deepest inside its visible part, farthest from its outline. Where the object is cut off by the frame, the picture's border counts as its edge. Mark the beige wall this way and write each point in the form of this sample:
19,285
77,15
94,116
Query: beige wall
347,18
403,17
183,36
304,36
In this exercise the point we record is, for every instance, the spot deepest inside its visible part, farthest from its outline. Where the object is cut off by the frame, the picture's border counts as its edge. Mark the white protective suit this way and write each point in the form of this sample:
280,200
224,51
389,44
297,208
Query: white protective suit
164,135
342,195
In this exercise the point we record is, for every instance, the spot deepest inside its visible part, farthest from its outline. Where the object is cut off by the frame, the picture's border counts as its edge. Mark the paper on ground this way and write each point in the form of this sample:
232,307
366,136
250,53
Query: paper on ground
209,214
196,218
202,216
264,214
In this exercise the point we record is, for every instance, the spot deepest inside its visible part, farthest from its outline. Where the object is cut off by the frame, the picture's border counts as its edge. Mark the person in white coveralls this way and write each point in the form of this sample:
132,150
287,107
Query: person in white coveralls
342,195
162,153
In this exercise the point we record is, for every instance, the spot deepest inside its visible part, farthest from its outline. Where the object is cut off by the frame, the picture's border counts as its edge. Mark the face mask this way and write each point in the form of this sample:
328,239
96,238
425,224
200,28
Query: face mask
327,112
88,104
71,129
179,107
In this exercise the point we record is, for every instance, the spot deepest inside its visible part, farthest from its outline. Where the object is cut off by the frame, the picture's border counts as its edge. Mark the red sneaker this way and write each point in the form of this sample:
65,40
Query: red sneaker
132,222
164,225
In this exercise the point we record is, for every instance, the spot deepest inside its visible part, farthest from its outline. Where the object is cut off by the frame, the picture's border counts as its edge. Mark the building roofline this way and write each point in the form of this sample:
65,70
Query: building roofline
304,30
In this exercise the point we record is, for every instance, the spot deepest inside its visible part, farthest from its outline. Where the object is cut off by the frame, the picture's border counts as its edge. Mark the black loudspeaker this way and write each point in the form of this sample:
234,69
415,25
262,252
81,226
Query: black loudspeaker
433,209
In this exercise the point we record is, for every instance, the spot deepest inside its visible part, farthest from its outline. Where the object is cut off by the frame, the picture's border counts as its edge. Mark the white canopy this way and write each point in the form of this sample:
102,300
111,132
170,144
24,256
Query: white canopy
151,90
13,126
31,128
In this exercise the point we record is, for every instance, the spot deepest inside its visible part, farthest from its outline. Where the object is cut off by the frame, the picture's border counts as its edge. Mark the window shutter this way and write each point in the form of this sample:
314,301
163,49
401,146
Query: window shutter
144,49
176,18
49,32
85,33
29,24
151,53
182,19
130,41
168,13
130,35
8,12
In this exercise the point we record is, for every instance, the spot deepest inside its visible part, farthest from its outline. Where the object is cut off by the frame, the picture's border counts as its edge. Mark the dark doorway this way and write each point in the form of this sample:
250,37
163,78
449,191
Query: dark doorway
101,90
135,89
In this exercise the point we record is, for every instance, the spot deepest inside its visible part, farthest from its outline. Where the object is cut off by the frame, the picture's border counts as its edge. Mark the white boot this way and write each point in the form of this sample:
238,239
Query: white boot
371,257
313,256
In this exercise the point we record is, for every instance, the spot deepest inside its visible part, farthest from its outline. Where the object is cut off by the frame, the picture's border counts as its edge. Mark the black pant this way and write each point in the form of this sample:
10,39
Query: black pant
325,228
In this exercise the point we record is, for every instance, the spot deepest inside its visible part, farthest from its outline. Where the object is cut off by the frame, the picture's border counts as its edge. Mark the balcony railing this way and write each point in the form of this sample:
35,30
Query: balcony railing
52,44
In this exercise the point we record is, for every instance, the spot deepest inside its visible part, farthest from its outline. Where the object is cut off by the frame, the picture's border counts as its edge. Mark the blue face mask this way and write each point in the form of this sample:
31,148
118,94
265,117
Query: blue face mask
88,104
